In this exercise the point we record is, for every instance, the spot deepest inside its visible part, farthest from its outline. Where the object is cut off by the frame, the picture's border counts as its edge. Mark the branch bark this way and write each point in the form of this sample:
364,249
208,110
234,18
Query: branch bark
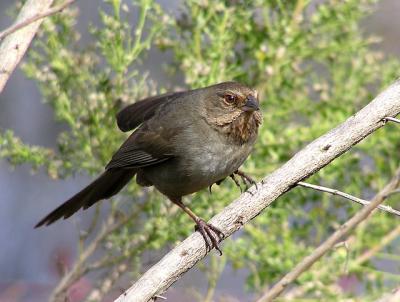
345,228
19,36
306,162
392,297
392,119
49,12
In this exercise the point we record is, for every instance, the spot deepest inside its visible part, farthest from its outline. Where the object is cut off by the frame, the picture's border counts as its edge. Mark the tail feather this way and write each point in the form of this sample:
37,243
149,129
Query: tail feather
105,186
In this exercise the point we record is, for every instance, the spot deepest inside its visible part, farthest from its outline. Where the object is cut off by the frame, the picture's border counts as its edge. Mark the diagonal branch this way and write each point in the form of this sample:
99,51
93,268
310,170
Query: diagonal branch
347,196
331,269
98,293
306,162
345,228
81,266
395,192
392,297
36,17
17,38
385,240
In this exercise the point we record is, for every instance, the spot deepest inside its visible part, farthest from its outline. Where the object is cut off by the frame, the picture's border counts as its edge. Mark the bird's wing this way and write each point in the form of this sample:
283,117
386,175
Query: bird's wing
133,115
145,147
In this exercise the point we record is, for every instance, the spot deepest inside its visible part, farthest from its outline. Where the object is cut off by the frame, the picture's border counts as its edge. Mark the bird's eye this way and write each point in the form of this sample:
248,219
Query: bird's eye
229,98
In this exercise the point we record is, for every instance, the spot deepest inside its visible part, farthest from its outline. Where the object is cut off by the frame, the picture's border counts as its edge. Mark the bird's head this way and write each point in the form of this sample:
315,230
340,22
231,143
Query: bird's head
232,105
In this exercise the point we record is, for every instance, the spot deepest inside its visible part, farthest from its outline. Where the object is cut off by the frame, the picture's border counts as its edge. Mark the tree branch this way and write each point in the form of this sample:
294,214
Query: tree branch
18,37
395,192
38,16
347,196
308,261
385,240
309,160
394,296
98,293
81,266
392,119
297,292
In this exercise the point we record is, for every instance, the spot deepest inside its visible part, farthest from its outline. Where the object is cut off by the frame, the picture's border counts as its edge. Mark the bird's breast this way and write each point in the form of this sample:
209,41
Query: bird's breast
212,157
218,160
203,157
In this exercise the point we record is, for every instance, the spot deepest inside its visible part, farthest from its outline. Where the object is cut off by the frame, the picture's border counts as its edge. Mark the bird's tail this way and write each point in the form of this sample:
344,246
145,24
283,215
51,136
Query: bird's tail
105,186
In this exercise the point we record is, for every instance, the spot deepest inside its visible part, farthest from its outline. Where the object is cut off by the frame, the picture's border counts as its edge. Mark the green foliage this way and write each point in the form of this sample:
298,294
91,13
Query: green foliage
19,153
313,68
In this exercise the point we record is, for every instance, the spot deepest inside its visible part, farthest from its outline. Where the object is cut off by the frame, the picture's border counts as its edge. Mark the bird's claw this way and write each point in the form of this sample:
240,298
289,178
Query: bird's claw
236,182
207,231
246,179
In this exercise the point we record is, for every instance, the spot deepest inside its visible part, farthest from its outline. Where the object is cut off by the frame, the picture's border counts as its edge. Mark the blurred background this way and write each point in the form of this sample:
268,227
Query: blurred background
30,258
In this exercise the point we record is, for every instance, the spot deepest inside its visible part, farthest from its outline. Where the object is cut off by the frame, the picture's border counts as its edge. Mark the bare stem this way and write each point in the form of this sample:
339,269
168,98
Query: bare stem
388,238
392,119
34,18
395,192
321,250
328,269
14,46
348,196
80,266
98,293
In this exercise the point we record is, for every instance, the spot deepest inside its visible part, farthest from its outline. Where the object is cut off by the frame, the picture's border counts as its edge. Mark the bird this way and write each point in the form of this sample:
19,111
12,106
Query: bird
182,142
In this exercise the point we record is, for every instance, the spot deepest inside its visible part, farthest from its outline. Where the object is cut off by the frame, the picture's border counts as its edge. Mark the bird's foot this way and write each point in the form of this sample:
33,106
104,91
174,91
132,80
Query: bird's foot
247,180
236,182
211,234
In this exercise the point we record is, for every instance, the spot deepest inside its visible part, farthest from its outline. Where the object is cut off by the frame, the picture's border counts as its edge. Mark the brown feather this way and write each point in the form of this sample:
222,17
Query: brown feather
105,186
239,126
245,127
135,114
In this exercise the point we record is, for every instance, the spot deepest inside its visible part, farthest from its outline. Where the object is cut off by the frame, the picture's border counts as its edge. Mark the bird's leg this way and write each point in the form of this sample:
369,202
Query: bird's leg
247,180
236,182
205,229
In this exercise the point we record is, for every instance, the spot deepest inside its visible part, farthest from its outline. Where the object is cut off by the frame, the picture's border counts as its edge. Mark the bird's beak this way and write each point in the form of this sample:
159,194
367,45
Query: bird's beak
251,104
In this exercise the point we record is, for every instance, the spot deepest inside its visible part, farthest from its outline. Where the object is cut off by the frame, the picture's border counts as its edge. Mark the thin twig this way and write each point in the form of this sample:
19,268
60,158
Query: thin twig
38,16
98,293
394,192
80,266
321,250
86,233
306,162
388,238
347,196
108,260
297,292
392,119
16,39
213,272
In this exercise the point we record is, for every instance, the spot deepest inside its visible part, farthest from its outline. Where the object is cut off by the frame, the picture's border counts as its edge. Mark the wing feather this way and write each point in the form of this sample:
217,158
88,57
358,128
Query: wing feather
135,114
134,159
144,147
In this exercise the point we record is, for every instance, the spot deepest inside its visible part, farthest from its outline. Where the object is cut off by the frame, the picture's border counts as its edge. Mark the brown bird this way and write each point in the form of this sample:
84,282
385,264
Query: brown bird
184,142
